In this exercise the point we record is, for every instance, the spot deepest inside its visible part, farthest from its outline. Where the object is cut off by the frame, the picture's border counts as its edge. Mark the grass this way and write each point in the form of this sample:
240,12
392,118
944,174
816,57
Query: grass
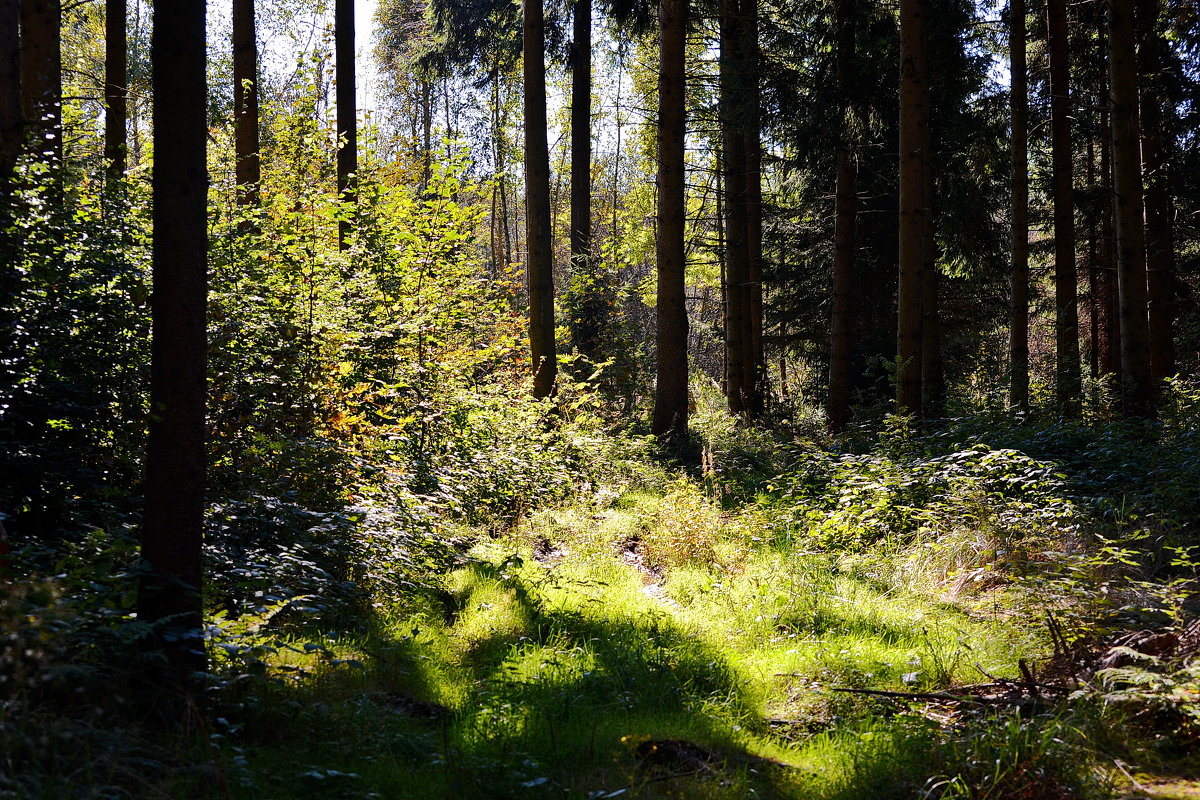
528,679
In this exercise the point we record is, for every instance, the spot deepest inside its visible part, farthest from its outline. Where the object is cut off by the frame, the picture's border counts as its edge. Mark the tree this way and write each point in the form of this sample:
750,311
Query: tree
245,104
742,202
169,595
116,88
581,139
347,111
12,121
756,365
914,116
1136,377
1066,325
538,232
1155,111
671,389
837,406
41,73
737,247
1018,348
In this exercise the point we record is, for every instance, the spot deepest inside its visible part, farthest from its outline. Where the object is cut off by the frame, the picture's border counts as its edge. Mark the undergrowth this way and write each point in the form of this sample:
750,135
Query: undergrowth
604,627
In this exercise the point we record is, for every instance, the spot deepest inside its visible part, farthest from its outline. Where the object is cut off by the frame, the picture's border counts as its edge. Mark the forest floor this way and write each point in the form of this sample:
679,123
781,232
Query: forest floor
626,652
909,616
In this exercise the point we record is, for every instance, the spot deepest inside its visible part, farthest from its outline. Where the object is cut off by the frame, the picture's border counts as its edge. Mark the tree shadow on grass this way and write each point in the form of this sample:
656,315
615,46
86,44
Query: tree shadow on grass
559,703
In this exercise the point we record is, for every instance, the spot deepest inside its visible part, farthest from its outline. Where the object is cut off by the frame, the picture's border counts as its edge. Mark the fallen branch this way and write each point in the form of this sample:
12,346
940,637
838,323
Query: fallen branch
913,695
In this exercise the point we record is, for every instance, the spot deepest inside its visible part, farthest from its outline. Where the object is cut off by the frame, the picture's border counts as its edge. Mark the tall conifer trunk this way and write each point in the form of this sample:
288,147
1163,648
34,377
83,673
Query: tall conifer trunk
1066,316
41,74
538,233
581,141
671,389
245,102
12,120
1156,164
1110,351
1137,381
914,104
169,595
116,88
1018,348
756,366
737,253
837,406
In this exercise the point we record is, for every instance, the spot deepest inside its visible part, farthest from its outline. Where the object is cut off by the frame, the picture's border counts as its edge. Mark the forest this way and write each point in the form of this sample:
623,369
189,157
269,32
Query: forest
701,399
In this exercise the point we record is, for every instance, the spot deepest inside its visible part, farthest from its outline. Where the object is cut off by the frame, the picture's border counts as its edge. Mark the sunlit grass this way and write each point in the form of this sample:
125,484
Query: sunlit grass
524,678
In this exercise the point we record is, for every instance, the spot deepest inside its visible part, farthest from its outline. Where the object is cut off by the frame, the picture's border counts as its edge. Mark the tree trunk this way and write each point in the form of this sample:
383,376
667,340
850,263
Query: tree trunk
737,253
671,389
914,105
1093,268
116,88
1066,324
41,74
1018,348
1137,380
169,595
581,141
933,378
837,405
347,112
1110,324
756,367
538,233
245,102
12,121
1156,163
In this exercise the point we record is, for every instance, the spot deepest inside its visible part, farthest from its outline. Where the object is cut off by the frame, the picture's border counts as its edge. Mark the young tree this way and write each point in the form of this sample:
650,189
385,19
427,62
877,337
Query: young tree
169,596
671,389
1137,382
538,231
1066,326
1018,395
914,116
347,111
245,103
116,87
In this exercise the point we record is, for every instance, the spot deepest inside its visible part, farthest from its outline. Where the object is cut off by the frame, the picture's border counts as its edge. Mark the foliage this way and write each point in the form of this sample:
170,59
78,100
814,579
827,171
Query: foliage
73,306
